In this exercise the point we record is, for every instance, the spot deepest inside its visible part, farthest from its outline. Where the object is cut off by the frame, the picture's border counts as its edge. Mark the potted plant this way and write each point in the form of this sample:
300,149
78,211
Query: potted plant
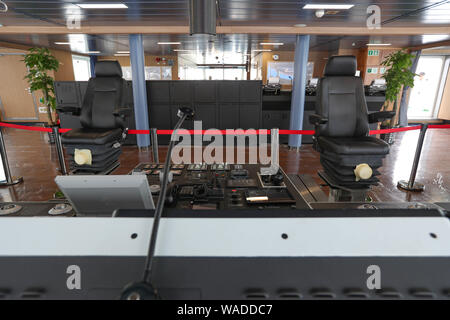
397,75
40,62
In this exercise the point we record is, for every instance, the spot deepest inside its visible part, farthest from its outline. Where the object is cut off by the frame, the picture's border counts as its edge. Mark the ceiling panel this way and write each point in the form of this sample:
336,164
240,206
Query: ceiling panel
231,12
222,43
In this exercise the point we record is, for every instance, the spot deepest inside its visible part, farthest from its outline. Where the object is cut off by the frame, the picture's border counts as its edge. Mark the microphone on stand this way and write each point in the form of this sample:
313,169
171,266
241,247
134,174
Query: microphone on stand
144,289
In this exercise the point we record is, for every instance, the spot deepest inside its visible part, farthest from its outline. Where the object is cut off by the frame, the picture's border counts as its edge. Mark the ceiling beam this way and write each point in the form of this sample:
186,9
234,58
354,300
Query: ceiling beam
349,31
431,45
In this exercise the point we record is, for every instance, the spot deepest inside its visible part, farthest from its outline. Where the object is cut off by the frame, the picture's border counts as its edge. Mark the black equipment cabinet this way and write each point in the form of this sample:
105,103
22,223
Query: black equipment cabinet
218,104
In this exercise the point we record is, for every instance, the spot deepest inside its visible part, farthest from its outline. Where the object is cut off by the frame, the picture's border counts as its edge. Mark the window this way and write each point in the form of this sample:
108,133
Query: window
81,68
151,73
426,94
284,71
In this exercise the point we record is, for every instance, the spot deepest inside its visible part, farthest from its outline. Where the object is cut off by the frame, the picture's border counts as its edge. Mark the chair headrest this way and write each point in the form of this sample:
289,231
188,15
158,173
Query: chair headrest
341,66
108,69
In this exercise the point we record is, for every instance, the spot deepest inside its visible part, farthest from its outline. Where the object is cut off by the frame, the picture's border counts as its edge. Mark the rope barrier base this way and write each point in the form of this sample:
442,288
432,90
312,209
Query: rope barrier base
417,186
14,180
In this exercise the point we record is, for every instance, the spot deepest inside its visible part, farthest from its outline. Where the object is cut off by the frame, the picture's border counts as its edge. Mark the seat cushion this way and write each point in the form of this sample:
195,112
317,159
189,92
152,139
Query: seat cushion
85,136
364,145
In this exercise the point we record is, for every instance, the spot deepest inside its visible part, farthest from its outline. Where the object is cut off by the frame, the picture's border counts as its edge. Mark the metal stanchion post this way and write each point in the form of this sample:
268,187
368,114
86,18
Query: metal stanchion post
411,184
59,150
10,180
154,141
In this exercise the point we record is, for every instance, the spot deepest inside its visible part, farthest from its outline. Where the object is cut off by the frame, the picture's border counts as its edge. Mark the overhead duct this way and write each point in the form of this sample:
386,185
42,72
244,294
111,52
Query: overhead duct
202,17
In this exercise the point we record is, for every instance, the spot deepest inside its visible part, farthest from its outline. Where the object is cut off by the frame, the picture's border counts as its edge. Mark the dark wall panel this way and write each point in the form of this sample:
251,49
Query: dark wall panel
250,91
228,116
158,91
205,91
228,91
180,91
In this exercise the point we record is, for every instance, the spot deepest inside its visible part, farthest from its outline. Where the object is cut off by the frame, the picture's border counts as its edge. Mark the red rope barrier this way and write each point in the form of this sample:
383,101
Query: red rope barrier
439,126
227,132
372,132
29,128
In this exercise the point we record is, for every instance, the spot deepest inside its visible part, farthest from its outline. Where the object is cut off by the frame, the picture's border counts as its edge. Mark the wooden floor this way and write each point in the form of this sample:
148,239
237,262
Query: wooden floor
33,158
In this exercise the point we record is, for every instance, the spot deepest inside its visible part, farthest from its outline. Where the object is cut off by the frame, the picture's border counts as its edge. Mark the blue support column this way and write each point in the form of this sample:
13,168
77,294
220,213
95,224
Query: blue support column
298,89
139,88
92,62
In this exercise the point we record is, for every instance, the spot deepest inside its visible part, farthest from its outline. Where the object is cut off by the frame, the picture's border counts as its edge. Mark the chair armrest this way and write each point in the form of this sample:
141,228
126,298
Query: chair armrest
69,109
380,116
316,119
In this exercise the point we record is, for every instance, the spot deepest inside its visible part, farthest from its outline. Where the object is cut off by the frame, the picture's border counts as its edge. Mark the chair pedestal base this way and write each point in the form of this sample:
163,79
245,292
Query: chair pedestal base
340,193
417,186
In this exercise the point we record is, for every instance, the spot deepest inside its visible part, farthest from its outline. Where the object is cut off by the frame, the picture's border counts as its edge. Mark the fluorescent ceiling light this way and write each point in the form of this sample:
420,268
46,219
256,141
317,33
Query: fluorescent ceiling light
262,50
378,44
128,52
169,42
92,52
182,50
314,6
300,25
63,43
271,43
121,55
102,5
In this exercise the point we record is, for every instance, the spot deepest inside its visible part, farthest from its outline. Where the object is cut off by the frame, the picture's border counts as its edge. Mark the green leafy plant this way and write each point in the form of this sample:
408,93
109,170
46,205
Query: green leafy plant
397,75
40,62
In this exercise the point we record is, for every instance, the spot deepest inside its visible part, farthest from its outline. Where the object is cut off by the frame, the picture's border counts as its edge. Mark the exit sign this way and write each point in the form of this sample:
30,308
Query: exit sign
374,53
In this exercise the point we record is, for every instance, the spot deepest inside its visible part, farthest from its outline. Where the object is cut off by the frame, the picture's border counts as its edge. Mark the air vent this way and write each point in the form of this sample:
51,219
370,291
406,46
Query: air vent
4,293
356,294
322,294
289,295
256,294
32,294
446,292
390,294
422,293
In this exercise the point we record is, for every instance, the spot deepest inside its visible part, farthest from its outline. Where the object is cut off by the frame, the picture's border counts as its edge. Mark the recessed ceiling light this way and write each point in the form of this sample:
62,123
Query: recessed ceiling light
123,52
300,25
182,50
63,43
271,43
262,50
315,6
92,52
121,55
169,42
378,44
102,5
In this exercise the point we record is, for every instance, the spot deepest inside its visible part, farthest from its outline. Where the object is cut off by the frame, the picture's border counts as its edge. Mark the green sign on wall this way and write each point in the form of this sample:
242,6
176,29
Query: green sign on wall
374,53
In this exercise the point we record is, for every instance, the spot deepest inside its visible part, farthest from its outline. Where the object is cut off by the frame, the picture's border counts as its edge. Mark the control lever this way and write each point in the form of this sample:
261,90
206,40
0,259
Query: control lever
144,289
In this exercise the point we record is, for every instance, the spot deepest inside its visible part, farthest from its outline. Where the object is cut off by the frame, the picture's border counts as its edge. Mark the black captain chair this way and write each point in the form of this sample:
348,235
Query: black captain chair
342,126
102,117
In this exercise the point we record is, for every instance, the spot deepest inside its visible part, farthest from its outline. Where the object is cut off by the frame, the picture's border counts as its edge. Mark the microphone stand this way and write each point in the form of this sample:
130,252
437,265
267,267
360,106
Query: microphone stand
144,289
